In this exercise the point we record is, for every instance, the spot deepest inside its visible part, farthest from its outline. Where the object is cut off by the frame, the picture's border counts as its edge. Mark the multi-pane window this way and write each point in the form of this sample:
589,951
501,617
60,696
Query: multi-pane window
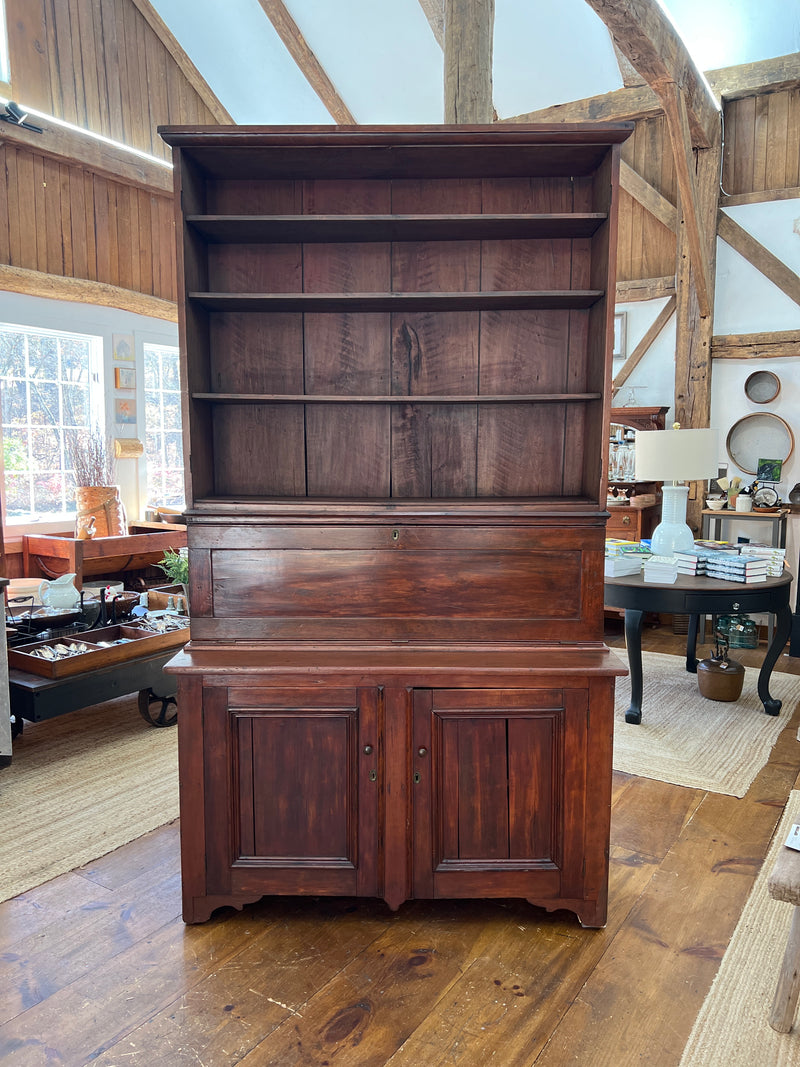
5,74
163,436
51,392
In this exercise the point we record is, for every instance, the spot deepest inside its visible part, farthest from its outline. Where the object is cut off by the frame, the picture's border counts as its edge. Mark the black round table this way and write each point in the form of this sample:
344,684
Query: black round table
696,596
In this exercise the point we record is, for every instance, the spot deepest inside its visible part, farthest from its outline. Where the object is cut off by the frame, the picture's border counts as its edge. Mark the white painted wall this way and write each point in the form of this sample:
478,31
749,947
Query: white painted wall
103,322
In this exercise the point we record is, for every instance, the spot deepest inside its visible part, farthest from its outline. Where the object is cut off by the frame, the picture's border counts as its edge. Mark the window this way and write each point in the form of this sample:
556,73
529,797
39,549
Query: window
163,434
51,391
5,73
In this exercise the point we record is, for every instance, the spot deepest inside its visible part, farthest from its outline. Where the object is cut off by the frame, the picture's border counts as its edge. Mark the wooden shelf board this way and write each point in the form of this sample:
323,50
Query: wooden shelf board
554,299
253,229
307,398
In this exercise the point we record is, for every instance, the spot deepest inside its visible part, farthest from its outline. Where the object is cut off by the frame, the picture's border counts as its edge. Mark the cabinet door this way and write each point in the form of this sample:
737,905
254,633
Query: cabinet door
297,770
499,784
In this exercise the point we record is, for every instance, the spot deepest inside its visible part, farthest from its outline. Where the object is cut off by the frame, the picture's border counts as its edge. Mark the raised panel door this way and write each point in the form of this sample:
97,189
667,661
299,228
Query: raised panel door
298,771
498,778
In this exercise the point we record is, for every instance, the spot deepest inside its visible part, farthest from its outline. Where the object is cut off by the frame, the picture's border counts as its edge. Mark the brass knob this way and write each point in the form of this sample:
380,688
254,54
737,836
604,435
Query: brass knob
626,520
422,751
367,750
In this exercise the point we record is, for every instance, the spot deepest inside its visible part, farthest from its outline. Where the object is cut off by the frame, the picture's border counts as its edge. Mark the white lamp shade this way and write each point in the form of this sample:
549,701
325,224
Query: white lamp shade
676,455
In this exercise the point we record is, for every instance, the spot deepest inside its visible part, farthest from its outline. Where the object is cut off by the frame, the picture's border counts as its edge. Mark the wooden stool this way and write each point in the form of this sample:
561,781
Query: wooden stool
784,884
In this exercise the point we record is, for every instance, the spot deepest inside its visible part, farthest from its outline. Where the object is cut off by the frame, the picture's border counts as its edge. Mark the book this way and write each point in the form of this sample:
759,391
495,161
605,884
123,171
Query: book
739,565
614,545
745,579
661,569
616,566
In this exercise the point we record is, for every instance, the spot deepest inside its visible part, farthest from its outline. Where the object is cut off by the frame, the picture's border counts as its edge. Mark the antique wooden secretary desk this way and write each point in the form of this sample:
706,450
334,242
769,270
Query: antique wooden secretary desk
396,367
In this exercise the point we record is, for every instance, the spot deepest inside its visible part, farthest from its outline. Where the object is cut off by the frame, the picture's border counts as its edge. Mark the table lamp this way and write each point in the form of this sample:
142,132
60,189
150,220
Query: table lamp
672,456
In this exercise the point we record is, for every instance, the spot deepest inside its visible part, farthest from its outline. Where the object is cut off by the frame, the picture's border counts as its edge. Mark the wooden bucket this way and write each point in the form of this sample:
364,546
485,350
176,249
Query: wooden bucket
100,512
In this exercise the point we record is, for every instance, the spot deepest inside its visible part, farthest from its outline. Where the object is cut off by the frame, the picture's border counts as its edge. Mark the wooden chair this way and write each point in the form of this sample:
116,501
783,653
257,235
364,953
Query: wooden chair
784,884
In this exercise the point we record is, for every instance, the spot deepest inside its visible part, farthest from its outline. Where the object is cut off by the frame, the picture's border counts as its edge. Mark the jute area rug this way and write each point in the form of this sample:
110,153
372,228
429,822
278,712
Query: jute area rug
685,739
732,1029
80,786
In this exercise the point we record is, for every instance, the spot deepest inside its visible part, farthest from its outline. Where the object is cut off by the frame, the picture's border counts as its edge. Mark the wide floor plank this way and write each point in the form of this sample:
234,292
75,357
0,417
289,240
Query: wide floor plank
97,966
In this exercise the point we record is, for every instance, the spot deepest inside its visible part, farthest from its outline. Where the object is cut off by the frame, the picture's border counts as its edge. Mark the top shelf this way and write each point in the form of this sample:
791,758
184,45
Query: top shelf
497,150
255,229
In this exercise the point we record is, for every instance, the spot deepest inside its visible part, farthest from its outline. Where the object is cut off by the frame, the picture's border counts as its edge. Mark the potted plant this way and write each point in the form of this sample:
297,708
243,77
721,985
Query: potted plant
176,567
100,512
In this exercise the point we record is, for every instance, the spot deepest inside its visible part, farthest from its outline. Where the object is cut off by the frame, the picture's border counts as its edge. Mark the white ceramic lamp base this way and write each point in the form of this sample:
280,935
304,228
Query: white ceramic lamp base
672,534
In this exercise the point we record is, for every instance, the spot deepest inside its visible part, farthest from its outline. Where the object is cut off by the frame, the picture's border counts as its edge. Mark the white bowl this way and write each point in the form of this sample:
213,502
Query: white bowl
716,503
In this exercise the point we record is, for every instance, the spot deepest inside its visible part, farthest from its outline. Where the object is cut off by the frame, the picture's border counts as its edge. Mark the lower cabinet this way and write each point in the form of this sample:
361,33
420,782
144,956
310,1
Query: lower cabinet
395,791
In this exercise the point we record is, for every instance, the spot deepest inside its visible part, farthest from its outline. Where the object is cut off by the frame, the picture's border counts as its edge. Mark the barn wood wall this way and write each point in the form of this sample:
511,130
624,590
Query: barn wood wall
64,220
646,248
99,65
762,143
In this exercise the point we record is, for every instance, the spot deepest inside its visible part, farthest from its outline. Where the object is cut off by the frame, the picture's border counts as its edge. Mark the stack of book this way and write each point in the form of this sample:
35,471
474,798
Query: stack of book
774,556
615,566
662,570
739,569
615,545
696,560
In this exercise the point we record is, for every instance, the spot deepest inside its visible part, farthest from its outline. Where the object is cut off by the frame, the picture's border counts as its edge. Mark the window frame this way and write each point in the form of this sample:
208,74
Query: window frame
56,521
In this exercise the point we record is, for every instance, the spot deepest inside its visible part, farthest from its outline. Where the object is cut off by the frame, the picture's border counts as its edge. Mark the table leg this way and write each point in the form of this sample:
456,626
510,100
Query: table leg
691,643
633,643
783,627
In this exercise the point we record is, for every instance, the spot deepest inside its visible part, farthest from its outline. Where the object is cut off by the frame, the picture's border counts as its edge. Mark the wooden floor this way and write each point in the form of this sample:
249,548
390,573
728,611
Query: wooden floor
97,967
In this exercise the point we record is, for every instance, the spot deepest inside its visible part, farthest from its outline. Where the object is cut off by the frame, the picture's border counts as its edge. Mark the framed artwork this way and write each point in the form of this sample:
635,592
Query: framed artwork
122,345
125,411
125,377
620,325
769,470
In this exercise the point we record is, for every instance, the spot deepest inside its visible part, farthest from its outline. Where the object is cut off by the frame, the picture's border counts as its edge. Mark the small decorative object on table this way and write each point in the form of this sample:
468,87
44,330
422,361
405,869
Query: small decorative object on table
718,677
100,512
176,567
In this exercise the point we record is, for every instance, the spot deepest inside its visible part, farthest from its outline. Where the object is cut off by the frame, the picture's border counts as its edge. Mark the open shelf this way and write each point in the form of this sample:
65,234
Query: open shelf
313,398
257,229
339,302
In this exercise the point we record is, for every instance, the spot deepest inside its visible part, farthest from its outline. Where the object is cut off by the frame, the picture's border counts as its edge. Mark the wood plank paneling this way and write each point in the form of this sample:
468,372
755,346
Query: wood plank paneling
762,143
99,65
646,248
62,221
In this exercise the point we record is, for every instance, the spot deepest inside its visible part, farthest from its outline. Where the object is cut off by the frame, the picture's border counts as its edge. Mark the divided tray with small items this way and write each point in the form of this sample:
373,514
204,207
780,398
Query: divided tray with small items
62,657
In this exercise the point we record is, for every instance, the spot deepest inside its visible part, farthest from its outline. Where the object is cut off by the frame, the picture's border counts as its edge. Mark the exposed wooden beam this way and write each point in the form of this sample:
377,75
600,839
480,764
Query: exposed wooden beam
434,13
621,105
311,68
630,76
638,102
693,332
643,32
649,197
761,196
645,289
186,66
678,127
639,351
759,257
766,76
468,44
101,157
84,291
778,345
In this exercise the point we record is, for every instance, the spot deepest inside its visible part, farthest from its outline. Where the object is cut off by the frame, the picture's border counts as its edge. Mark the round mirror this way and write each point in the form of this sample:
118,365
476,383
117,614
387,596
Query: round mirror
759,436
762,386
